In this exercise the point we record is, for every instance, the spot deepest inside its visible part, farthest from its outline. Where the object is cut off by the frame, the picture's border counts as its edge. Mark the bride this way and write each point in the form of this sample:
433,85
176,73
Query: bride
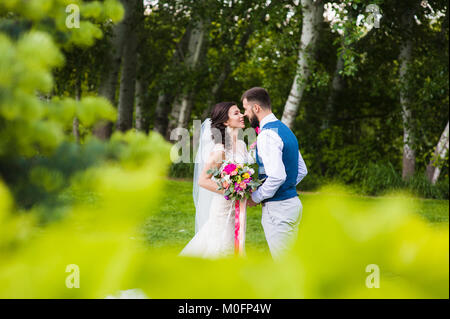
214,222
214,217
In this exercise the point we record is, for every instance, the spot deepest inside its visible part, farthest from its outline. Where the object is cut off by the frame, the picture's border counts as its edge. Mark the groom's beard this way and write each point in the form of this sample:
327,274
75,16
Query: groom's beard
254,122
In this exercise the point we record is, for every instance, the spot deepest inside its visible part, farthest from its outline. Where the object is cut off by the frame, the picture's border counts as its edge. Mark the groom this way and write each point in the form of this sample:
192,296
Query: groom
281,163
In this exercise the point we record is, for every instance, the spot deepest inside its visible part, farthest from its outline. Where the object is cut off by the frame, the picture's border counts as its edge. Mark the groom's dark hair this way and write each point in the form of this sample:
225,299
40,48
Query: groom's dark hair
259,95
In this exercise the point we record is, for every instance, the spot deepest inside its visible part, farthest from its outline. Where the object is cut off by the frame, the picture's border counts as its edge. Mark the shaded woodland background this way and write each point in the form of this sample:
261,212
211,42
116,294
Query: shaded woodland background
363,84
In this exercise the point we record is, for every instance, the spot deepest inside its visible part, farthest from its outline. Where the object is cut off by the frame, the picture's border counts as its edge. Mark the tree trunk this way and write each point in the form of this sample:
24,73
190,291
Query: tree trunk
182,104
405,59
108,85
165,98
141,94
129,65
185,108
76,130
440,152
162,113
312,18
337,85
217,87
76,123
215,90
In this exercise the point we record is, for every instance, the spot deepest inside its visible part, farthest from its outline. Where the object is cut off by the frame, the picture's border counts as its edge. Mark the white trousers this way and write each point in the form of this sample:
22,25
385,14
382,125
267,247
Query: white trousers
280,220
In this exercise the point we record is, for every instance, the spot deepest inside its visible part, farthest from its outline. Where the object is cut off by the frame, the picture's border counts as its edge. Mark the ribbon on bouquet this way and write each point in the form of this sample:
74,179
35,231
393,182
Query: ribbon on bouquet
240,217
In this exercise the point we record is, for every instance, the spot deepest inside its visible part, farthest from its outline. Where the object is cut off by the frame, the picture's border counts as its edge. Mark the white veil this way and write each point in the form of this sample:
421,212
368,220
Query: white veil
202,197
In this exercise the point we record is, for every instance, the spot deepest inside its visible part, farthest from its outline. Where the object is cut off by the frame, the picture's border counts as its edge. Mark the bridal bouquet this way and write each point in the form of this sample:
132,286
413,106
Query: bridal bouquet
238,180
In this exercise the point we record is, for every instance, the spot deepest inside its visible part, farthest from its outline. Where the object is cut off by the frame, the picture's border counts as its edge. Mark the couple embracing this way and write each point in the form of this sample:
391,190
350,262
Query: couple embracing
281,166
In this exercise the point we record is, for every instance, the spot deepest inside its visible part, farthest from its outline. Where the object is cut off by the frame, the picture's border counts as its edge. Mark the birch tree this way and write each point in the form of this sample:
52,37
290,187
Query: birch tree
133,11
235,40
439,155
108,85
165,96
312,19
351,21
141,101
182,104
76,122
405,60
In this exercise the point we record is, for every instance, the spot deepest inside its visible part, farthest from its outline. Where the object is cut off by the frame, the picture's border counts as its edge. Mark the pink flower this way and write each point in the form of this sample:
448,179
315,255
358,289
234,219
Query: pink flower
233,173
257,130
225,185
243,185
229,168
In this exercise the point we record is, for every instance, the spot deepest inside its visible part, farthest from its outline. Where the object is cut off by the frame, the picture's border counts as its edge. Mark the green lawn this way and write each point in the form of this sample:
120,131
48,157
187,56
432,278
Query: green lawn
172,226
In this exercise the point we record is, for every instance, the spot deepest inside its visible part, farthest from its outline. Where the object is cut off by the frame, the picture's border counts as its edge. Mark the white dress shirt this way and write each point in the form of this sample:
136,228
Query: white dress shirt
270,151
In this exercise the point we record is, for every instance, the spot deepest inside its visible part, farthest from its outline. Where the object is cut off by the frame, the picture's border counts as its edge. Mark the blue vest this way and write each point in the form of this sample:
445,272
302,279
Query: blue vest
290,160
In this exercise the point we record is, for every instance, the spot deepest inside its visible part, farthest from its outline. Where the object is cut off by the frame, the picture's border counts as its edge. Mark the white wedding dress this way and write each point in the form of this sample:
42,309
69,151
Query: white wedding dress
215,238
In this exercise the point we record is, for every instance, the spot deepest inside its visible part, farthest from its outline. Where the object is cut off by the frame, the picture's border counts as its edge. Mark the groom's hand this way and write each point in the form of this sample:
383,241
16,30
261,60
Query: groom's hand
251,203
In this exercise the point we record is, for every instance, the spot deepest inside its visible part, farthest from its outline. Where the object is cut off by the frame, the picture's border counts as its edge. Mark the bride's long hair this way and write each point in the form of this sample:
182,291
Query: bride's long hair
219,115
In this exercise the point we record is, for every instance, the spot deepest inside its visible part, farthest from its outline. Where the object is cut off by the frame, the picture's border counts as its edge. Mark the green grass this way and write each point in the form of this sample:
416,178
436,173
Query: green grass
172,226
